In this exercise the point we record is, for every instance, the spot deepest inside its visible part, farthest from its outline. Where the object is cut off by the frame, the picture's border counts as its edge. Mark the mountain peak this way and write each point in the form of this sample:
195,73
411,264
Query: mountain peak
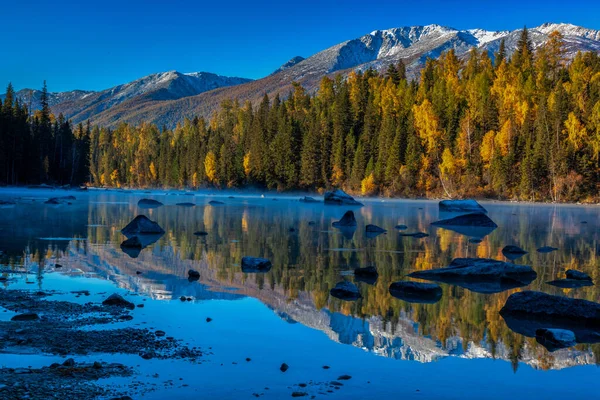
289,64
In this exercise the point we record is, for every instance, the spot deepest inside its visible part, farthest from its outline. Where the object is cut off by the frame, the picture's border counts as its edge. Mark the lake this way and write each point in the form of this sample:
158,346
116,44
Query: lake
457,348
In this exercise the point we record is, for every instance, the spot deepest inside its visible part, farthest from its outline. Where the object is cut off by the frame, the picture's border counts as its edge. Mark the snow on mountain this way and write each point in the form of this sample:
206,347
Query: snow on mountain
289,64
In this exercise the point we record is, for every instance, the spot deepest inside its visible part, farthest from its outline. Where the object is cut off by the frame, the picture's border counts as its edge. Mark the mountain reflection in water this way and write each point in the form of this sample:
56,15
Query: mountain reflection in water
310,259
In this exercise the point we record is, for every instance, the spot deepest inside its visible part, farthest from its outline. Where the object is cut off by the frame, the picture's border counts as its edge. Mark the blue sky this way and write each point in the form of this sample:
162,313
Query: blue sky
96,45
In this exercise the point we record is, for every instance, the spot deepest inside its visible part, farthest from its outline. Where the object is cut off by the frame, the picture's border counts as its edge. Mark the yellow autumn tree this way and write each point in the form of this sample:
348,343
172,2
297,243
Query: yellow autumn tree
210,166
575,131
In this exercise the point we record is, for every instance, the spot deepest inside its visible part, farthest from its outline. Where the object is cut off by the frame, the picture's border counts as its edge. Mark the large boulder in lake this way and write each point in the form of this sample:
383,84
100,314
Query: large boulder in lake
474,224
526,312
345,291
555,339
416,292
513,252
481,275
149,203
347,221
255,264
468,206
118,301
142,225
574,279
340,198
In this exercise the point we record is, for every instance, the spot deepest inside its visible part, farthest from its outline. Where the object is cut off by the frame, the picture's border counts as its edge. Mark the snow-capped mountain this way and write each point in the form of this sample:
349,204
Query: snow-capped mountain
167,98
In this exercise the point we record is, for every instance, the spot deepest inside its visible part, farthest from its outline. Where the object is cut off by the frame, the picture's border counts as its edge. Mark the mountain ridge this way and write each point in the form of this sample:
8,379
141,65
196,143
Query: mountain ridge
167,98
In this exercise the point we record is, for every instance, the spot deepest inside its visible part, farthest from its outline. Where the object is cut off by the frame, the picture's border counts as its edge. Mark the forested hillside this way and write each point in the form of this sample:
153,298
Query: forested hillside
525,128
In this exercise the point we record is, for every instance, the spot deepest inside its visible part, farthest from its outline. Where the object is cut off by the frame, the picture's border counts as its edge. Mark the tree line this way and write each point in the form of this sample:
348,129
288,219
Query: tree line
39,147
520,127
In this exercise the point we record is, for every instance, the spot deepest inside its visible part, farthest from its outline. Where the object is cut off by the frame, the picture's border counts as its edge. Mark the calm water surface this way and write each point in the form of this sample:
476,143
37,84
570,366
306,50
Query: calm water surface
459,347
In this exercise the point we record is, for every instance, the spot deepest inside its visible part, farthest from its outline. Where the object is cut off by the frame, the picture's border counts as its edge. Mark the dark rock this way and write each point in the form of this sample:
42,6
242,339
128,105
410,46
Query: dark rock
554,339
480,275
578,275
160,333
570,283
118,301
326,367
149,203
142,225
299,394
401,227
138,272
340,198
208,319
374,229
255,264
183,298
475,224
284,367
97,365
311,223
69,362
193,274
546,249
201,233
416,292
215,203
347,221
344,378
308,199
146,355
186,204
368,275
60,200
25,317
475,240
417,235
542,306
461,206
292,230
345,291
513,252
132,242
57,266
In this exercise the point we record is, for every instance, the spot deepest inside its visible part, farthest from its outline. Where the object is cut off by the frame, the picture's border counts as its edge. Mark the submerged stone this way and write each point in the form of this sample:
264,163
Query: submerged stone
201,233
216,203
345,291
416,292
308,199
142,225
186,204
555,339
546,249
149,203
513,252
347,221
117,300
340,198
401,227
368,275
480,275
417,235
255,264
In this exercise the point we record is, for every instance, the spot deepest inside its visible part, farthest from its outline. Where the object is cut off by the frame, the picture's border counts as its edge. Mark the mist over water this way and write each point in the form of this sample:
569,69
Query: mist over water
287,313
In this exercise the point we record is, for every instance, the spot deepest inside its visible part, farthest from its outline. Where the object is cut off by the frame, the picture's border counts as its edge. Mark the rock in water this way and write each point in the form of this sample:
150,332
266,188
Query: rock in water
474,219
368,275
542,306
513,252
461,206
345,291
340,198
284,367
347,221
374,229
118,301
480,275
578,275
401,227
186,204
418,235
25,317
201,233
546,249
132,242
149,203
554,339
416,292
193,275
255,264
215,203
142,225
60,200
308,199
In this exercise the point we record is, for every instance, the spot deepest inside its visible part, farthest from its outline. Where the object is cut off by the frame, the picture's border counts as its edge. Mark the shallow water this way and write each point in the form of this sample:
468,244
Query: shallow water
459,347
